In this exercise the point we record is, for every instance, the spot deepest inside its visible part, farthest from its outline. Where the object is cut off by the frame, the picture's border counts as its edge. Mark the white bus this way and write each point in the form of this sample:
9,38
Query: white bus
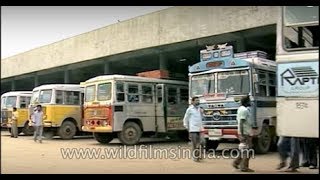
128,106
20,100
62,107
298,72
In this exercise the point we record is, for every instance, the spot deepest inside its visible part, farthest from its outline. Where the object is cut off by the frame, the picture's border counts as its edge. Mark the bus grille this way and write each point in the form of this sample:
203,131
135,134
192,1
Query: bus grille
220,117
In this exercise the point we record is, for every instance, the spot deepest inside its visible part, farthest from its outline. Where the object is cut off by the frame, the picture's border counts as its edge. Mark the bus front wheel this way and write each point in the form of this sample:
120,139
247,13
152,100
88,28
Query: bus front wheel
261,144
27,130
103,138
211,145
130,134
67,130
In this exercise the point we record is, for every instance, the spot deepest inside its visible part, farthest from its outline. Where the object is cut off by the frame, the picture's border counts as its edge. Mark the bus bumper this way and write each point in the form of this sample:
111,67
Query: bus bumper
107,129
219,134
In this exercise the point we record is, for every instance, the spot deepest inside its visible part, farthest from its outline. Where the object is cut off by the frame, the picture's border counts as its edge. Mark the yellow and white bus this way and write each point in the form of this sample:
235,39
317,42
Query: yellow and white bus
61,104
20,100
127,107
298,72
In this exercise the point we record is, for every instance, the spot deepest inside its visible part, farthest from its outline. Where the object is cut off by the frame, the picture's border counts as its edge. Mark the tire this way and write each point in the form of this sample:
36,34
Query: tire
261,145
20,130
183,135
67,130
211,145
48,134
130,134
27,130
103,138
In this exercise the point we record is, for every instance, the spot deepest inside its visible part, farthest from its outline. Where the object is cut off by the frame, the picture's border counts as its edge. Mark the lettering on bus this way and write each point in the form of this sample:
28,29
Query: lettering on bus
301,75
301,105
298,79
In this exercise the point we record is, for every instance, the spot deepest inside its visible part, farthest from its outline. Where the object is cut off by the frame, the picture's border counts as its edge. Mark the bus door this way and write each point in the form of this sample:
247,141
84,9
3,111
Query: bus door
81,107
161,108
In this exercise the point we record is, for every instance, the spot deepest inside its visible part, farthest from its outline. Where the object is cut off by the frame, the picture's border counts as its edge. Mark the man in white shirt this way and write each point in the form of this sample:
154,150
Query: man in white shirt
37,123
193,122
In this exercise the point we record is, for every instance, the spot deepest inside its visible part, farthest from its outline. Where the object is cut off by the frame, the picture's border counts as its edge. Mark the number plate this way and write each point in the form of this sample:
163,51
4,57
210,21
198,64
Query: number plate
215,132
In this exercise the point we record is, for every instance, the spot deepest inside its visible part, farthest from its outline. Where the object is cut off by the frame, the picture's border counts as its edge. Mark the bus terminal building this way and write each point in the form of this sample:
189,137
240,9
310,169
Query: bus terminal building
169,40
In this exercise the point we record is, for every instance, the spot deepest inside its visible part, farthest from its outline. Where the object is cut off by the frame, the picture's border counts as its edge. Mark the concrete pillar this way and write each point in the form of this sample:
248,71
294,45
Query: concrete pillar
163,62
13,85
66,76
36,80
107,68
241,45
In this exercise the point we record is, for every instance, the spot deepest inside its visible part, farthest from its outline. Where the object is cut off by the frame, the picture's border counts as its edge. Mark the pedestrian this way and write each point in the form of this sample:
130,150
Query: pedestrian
192,121
289,147
38,124
245,136
14,123
309,152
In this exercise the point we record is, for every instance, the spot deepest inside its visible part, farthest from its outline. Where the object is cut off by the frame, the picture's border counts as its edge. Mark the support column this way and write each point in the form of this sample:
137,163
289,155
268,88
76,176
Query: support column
66,76
107,68
241,45
36,80
163,62
13,85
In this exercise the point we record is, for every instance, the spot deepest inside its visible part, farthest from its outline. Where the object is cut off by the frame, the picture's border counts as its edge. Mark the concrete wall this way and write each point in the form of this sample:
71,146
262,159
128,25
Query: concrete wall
163,27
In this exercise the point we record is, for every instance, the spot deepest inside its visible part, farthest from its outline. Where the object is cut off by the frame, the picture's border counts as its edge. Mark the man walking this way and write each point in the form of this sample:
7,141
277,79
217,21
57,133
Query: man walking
14,123
193,122
37,121
309,152
245,136
289,147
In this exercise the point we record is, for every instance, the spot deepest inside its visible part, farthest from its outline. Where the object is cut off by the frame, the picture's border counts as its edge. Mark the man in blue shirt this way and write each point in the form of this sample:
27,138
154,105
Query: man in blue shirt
193,122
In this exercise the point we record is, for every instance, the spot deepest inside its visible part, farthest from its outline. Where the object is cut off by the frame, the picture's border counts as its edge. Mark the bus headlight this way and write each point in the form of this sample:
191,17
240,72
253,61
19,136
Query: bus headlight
104,123
208,112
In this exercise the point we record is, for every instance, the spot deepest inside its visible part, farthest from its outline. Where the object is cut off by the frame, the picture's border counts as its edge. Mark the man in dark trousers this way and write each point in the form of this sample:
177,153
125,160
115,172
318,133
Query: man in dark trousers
289,147
309,152
245,136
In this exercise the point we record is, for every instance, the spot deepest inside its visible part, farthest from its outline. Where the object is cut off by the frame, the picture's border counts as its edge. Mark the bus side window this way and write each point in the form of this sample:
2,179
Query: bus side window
184,96
28,99
262,84
172,96
59,97
133,93
147,94
23,102
120,92
272,84
159,94
76,98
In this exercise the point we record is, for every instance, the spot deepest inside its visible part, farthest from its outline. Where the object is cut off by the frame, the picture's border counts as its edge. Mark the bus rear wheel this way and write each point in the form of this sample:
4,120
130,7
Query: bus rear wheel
103,138
130,134
67,130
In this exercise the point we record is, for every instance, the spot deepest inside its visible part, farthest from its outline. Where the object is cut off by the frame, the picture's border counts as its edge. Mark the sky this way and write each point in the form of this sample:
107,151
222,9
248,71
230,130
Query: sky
27,27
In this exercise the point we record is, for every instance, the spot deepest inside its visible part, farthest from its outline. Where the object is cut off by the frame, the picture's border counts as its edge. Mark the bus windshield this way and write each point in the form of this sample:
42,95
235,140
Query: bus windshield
233,82
35,97
104,92
45,96
3,102
89,93
301,27
202,84
8,102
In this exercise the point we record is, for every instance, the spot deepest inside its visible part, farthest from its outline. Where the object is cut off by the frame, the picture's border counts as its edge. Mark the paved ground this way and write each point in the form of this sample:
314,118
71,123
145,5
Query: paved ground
23,155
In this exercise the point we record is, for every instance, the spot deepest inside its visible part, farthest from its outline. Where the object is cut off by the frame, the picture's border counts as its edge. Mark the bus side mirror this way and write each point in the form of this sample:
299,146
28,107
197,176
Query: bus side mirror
256,87
255,78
